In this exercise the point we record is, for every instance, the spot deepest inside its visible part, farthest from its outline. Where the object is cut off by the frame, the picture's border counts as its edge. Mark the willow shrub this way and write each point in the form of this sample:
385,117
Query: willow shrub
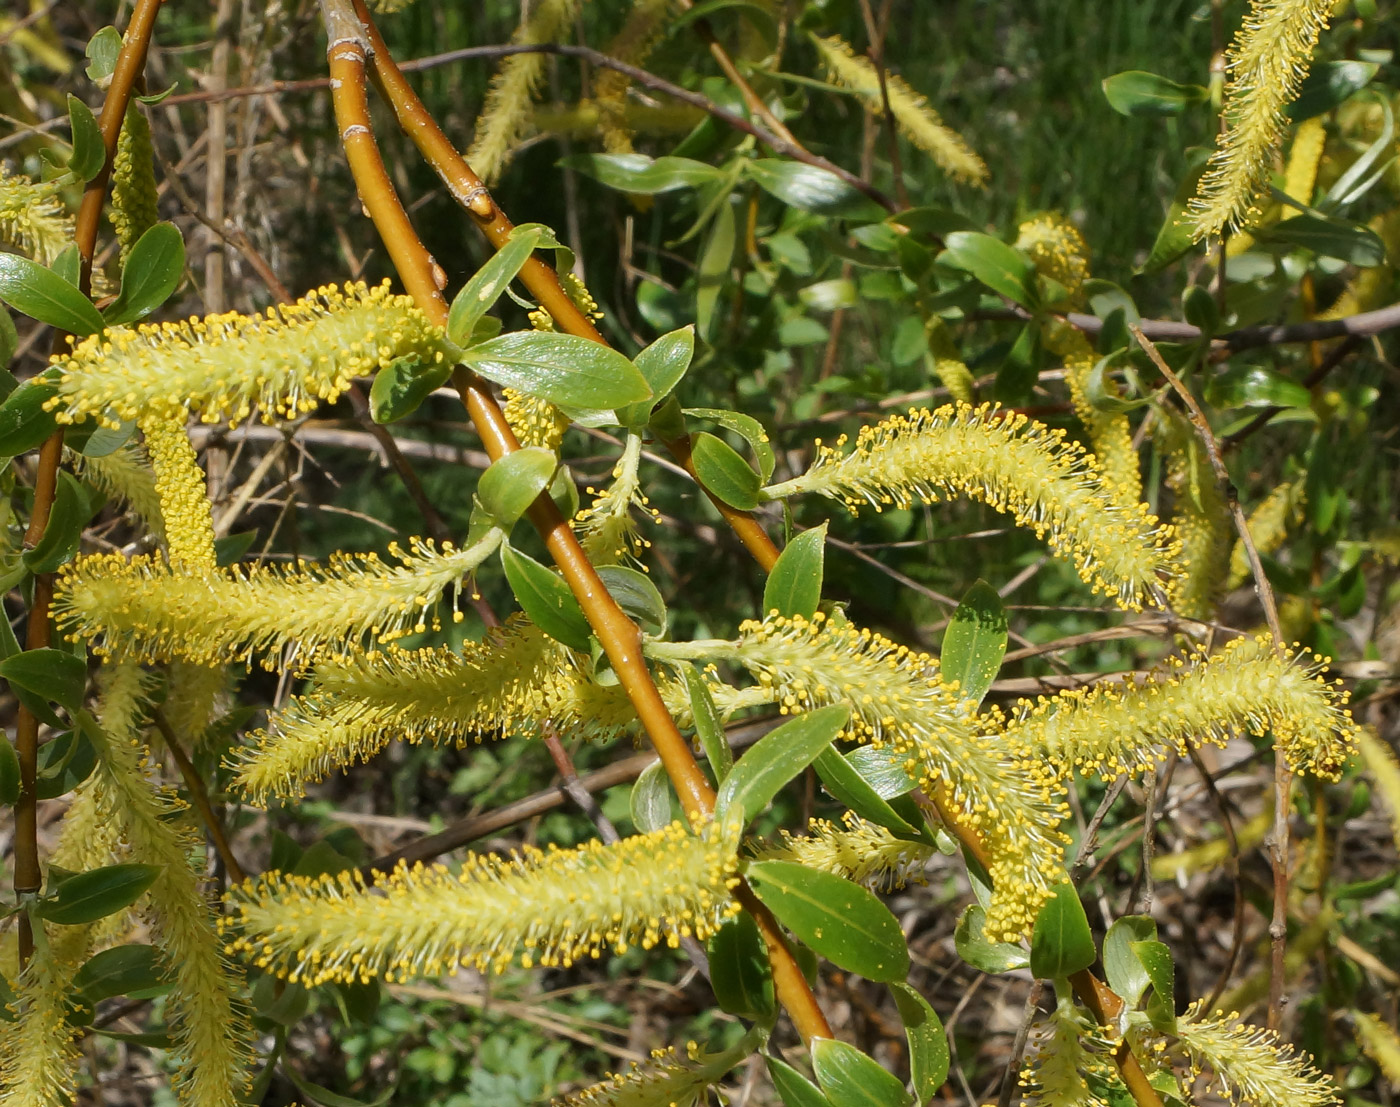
915,764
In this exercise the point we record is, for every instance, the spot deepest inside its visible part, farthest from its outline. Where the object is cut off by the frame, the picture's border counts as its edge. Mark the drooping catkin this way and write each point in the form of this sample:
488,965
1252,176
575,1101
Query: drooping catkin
1200,517
39,1052
607,528
1266,63
1381,1044
550,908
185,510
646,21
1053,1075
133,180
125,475
1381,763
1268,527
946,361
33,219
662,1078
1250,1064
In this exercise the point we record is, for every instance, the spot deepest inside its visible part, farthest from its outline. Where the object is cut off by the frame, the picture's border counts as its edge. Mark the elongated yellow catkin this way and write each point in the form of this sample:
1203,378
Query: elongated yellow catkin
1248,687
607,528
285,362
584,118
550,908
946,361
1250,1064
146,609
1200,517
535,421
663,1078
32,217
858,850
918,122
1013,464
1381,763
39,1052
1266,62
185,510
1057,249
1371,288
1268,527
125,475
133,180
1381,1044
1053,1075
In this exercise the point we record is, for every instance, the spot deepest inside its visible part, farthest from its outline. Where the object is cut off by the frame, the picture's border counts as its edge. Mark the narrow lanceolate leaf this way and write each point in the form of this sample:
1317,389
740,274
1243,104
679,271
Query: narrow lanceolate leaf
739,970
87,897
794,585
42,294
1062,942
546,599
776,758
851,1079
562,368
529,908
486,285
722,471
150,274
1017,466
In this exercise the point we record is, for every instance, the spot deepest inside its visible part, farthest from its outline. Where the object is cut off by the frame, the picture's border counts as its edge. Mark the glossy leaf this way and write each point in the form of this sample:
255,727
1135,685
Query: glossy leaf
1156,960
1327,85
650,801
24,424
546,599
324,1097
1061,942
973,947
794,585
845,784
837,919
42,294
975,642
724,472
514,482
640,174
486,285
402,386
150,276
883,769
746,427
89,151
1245,385
739,970
9,340
811,188
1330,238
928,1042
709,727
1136,92
63,764
129,970
1002,269
9,772
1175,236
794,1089
849,1078
64,531
776,758
562,368
663,364
55,676
636,595
1123,968
87,897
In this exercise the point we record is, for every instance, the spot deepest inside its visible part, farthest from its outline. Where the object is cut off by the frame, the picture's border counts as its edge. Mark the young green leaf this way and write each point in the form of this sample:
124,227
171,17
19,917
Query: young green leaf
811,188
724,472
102,51
847,785
883,769
42,294
150,276
650,801
746,427
1156,960
794,585
481,292
89,151
739,970
1004,270
24,424
1136,92
562,368
546,599
514,482
63,764
839,920
777,757
975,642
636,595
642,175
9,773
1061,942
1121,965
9,342
663,364
973,947
1328,84
130,970
794,1089
849,1078
87,897
709,727
56,676
928,1042
402,385
64,531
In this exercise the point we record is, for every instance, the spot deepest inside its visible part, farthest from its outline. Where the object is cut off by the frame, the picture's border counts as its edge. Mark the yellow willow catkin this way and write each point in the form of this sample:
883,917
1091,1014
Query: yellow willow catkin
181,487
607,529
859,850
503,118
133,180
1054,1072
1300,177
1247,687
210,1031
662,1079
1381,763
1268,526
286,361
125,475
946,361
1251,1064
39,1052
535,421
1200,517
1015,465
195,695
1380,1044
550,908
33,219
646,21
1058,250
1266,63
511,683
897,700
918,122
143,608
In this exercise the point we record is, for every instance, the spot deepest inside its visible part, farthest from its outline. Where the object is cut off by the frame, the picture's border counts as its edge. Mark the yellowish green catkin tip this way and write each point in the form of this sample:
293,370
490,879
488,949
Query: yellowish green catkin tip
607,528
1053,1075
917,121
285,362
33,220
125,475
1268,526
1381,763
947,363
39,1052
551,908
664,1078
1380,1043
858,850
535,421
133,180
1058,250
1266,63
1250,1064
1200,516
185,510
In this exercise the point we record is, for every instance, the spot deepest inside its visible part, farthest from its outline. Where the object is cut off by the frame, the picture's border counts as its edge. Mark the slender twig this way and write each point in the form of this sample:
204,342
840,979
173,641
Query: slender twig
1010,1080
1232,841
199,796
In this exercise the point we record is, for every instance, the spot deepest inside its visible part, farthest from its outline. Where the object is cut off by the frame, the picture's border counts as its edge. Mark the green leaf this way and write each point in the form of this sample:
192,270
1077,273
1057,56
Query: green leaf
562,368
739,971
24,424
486,285
1200,309
1327,237
839,920
87,897
9,773
42,294
642,175
150,276
973,947
928,1042
845,784
663,364
102,51
324,1097
746,427
1001,268
89,151
63,764
794,585
724,472
1156,960
54,676
1327,85
636,595
811,188
709,727
64,531
1097,388
712,272
849,1078
69,264
883,769
776,758
130,970
1020,370
1136,92
794,1089
402,385
9,341
546,599
975,642
1121,965
650,800
514,482
1061,942
92,440
1244,385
